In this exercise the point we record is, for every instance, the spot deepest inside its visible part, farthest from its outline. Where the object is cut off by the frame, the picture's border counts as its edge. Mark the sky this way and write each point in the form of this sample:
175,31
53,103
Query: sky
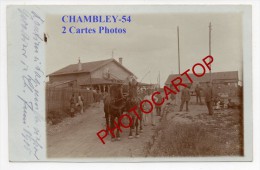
150,43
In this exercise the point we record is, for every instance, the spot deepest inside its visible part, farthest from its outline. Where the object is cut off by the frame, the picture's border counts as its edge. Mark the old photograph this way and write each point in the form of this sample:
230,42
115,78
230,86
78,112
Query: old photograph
144,85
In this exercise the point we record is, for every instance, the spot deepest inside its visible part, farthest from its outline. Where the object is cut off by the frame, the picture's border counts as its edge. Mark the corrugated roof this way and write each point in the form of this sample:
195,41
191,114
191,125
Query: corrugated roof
229,75
86,67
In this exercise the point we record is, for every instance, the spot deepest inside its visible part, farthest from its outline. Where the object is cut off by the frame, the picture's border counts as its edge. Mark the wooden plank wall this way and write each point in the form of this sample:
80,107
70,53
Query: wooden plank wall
58,99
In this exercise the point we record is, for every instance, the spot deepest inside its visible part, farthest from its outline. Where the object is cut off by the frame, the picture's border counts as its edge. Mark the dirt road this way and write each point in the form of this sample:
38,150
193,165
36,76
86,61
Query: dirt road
76,138
182,133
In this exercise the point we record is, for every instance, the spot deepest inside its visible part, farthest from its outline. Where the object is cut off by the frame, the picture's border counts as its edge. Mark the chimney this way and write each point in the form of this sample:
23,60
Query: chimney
79,66
121,60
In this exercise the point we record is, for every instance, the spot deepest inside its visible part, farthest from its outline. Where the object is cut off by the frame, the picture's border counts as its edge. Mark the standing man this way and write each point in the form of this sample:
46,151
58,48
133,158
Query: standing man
94,96
98,97
80,102
198,96
148,107
72,105
158,108
185,98
209,98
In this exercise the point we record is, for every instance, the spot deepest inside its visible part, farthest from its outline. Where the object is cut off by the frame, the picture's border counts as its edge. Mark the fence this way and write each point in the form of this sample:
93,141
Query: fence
58,99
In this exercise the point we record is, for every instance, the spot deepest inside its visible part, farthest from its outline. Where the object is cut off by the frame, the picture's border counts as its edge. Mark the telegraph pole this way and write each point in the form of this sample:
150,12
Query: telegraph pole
179,62
159,80
210,28
113,53
179,65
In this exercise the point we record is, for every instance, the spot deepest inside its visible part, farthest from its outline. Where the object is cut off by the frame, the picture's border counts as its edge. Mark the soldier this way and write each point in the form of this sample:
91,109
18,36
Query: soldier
72,105
185,98
158,108
198,95
80,103
209,97
148,107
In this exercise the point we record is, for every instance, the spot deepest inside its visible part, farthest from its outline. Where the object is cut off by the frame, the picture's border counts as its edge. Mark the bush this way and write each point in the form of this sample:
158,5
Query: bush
186,140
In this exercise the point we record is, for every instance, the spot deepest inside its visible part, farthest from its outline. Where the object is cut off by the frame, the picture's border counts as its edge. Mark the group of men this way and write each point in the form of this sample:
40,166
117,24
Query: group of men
147,94
185,99
208,93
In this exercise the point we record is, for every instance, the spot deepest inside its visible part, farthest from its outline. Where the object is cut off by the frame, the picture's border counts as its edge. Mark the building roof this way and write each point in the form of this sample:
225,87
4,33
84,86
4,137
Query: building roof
87,67
229,76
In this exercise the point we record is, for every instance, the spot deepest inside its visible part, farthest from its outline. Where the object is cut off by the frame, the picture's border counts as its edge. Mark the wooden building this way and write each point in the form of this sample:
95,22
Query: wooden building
99,75
222,82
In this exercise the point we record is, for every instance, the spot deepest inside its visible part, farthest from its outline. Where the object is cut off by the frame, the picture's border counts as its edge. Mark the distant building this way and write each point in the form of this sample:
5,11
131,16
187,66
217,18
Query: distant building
95,75
222,82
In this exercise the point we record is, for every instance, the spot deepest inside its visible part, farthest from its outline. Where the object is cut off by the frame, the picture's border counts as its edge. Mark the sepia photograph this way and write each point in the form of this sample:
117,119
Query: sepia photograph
144,84
129,84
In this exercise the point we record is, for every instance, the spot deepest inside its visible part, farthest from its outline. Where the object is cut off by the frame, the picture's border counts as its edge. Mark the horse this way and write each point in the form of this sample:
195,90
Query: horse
132,101
114,104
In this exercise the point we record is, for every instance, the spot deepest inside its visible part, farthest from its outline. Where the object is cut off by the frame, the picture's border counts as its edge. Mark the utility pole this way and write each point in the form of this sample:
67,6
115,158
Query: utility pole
113,53
179,61
159,81
179,65
210,28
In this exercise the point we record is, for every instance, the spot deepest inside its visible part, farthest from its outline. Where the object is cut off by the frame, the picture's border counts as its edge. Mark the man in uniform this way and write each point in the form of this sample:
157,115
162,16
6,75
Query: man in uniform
148,107
72,105
159,100
198,96
185,98
209,97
